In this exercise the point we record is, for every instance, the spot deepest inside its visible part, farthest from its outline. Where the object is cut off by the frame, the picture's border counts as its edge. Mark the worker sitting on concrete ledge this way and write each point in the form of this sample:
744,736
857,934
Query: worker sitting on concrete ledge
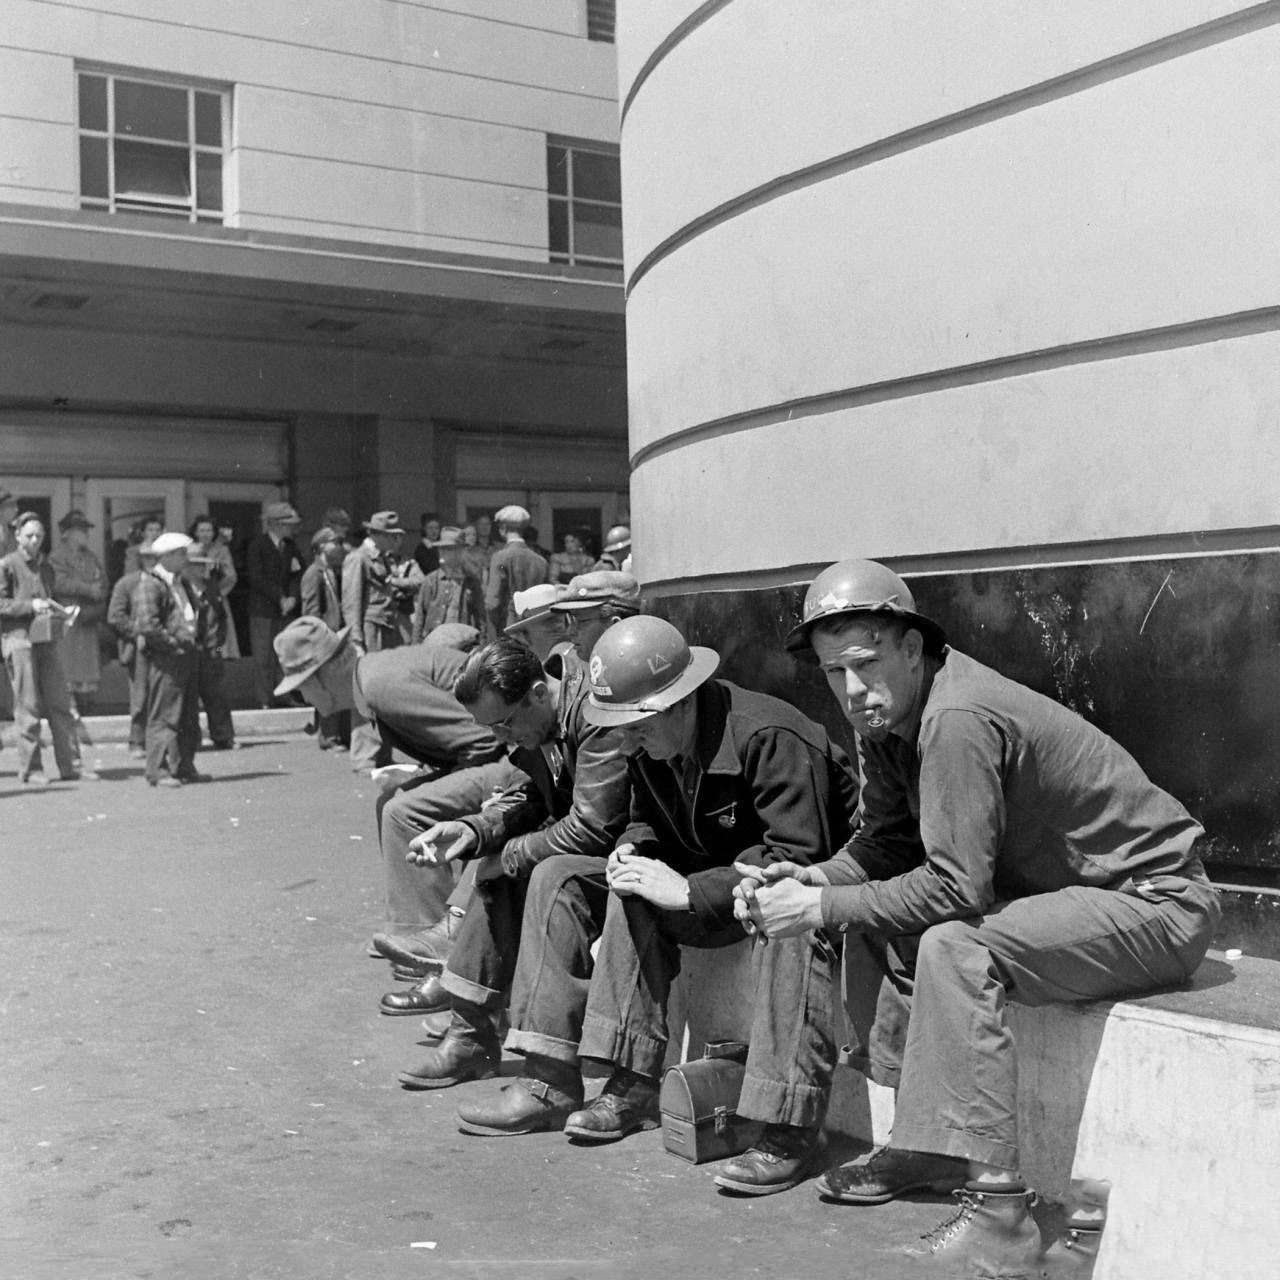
1005,849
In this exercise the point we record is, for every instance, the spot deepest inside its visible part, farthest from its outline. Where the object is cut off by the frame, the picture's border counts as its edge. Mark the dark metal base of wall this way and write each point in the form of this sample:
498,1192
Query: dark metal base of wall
1178,659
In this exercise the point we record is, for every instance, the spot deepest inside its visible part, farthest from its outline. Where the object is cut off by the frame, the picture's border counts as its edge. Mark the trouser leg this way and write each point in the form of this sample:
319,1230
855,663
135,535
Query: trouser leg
55,703
188,740
483,960
958,1092
138,700
262,633
213,697
419,896
166,684
564,912
20,665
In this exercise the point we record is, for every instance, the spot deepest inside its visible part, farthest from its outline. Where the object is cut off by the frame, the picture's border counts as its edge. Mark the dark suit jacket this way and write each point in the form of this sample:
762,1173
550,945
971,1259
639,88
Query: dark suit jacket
322,594
272,573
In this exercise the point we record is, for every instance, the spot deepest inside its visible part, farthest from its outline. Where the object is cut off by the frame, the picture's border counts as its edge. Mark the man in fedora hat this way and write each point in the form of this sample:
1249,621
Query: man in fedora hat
515,566
30,623
538,625
79,579
447,594
273,568
407,694
1006,849
593,602
322,598
374,583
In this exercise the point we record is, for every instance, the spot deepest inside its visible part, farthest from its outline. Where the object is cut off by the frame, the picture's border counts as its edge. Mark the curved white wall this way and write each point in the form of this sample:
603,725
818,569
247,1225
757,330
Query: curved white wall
947,284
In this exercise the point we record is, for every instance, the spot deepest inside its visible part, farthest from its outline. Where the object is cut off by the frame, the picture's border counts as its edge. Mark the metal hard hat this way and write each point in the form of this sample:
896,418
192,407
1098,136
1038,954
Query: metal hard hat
617,538
640,666
859,586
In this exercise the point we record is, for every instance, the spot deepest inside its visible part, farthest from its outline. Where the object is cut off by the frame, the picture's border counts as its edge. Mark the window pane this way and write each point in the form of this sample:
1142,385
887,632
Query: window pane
154,172
208,181
596,177
597,232
151,110
209,119
93,103
557,171
558,226
93,167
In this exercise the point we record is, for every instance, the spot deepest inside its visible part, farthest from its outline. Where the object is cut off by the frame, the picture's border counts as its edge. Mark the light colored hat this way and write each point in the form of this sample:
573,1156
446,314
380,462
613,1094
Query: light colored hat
450,536
512,515
170,541
281,513
384,522
303,647
533,604
601,586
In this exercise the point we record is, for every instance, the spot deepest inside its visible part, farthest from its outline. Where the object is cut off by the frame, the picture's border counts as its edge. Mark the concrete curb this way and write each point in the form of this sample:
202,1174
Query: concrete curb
274,723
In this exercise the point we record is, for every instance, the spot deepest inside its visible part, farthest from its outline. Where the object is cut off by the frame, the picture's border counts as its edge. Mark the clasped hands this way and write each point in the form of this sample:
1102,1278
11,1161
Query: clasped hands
779,900
629,873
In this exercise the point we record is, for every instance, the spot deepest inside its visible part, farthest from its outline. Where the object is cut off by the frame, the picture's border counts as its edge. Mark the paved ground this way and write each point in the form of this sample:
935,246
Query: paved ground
197,1082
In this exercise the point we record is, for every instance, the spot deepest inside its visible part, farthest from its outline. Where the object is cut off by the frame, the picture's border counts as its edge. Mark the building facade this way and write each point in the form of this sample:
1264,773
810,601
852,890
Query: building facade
352,252
986,291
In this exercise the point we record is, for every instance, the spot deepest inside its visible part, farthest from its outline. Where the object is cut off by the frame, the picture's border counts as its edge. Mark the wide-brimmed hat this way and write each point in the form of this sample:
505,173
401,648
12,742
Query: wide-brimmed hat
74,519
170,541
280,513
532,604
600,586
384,522
303,647
450,536
641,666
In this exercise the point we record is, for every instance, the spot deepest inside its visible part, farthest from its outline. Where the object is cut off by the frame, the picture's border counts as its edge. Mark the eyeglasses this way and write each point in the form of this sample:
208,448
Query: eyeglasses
505,722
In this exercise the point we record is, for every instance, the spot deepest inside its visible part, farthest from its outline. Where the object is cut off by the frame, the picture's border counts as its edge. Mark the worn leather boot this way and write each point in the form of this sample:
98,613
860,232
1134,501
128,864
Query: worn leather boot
991,1235
889,1172
425,997
776,1163
628,1102
469,1051
537,1102
428,949
1075,1252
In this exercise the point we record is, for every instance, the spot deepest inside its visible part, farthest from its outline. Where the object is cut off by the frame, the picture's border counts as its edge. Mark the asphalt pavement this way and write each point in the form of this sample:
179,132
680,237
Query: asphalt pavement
197,1082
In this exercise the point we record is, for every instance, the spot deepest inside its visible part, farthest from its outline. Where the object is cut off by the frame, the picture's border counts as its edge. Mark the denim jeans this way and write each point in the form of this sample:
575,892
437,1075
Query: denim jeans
927,1012
792,1054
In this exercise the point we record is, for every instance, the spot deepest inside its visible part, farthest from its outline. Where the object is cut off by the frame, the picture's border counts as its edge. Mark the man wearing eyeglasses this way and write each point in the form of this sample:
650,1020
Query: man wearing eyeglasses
541,846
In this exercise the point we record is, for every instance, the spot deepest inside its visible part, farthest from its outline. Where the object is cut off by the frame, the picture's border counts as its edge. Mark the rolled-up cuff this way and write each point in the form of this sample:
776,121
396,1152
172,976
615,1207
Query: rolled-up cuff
782,1101
471,992
609,1042
545,1046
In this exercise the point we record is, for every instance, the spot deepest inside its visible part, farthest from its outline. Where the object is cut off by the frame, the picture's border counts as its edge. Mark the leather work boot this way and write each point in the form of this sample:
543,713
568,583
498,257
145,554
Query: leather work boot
776,1163
539,1102
1075,1252
991,1235
469,1051
628,1102
431,946
425,997
889,1172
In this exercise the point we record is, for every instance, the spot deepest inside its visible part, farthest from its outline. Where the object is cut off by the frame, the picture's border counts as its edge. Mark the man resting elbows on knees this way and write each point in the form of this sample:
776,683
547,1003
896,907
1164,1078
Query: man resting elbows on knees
718,774
1005,849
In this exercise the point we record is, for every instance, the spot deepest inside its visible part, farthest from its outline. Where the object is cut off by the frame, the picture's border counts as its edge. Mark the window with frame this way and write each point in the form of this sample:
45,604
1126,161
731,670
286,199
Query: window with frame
151,146
584,203
601,18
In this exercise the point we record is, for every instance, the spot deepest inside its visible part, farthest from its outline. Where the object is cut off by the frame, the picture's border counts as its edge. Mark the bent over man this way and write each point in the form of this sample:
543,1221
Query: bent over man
719,775
1006,849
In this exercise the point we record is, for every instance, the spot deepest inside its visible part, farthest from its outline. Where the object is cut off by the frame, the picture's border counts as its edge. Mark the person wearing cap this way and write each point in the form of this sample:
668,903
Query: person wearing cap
447,594
372,585
79,580
539,851
273,568
1006,850
29,625
407,694
132,658
616,555
593,602
167,621
514,567
322,598
211,636
572,561
719,775
538,625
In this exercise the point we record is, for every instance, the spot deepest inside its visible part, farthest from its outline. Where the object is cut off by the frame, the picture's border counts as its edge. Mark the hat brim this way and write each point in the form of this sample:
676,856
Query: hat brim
295,678
702,666
798,638
521,623
572,606
462,546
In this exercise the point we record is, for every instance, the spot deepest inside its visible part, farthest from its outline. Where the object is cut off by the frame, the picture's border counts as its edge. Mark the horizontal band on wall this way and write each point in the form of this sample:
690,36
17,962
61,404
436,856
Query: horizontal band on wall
673,38
1179,546
1130,62
1116,347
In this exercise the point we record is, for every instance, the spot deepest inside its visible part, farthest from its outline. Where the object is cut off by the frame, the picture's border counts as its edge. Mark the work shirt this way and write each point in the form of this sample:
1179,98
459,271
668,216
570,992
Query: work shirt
764,784
997,792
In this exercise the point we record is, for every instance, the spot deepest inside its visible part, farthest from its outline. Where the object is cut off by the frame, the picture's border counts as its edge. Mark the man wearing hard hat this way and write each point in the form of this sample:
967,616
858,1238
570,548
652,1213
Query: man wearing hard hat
1006,849
718,775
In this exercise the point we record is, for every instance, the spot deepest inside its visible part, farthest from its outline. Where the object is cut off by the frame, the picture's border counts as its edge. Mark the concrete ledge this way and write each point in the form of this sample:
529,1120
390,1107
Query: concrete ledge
248,724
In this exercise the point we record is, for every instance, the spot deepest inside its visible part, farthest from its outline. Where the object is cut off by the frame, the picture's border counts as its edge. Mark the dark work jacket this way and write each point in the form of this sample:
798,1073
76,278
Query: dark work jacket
159,620
21,582
408,693
272,572
768,786
513,567
575,803
120,615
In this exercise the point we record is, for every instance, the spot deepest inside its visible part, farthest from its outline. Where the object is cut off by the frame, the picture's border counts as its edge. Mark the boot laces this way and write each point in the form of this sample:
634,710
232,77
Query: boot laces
940,1236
